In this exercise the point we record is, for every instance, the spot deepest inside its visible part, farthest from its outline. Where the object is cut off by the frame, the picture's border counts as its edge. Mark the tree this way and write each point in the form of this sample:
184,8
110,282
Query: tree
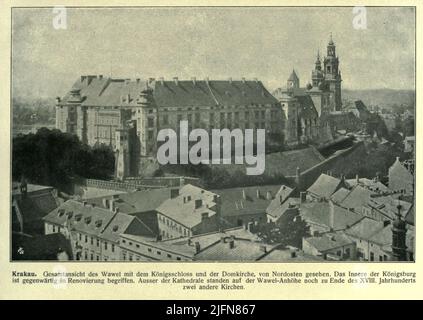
53,158
290,229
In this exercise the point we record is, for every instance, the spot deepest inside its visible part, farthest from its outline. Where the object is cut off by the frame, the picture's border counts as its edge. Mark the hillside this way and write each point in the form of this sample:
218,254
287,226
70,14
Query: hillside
381,97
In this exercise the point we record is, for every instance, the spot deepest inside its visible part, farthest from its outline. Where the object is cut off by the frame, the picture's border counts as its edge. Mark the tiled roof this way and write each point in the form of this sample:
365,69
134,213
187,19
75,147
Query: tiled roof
29,187
307,108
281,196
243,250
95,221
339,195
325,186
329,241
137,201
284,255
370,184
184,212
387,205
365,228
234,204
181,93
357,198
319,213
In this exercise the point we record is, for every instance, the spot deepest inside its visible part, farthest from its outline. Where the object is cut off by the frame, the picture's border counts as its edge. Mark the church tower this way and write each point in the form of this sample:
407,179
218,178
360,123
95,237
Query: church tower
333,75
399,231
293,81
317,73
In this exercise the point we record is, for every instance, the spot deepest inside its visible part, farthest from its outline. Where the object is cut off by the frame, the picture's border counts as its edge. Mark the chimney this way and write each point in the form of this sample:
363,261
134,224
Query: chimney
269,195
244,195
258,193
357,179
105,203
331,214
194,80
207,80
116,210
303,197
174,193
58,100
222,239
298,177
197,247
112,205
230,80
198,203
189,241
175,79
161,80
231,243
128,98
243,80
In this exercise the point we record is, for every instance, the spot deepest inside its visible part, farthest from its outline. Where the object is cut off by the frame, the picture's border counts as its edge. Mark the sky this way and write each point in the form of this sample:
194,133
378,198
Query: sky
251,42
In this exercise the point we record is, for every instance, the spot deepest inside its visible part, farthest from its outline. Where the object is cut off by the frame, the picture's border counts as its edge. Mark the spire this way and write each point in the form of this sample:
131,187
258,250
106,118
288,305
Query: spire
330,39
318,57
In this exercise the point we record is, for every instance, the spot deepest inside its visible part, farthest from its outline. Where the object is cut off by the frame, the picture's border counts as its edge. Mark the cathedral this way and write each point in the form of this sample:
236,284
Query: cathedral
307,108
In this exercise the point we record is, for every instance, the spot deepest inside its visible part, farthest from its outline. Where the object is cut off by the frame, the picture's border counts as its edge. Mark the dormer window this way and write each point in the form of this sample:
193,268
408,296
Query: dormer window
78,217
115,228
87,220
69,214
98,223
61,212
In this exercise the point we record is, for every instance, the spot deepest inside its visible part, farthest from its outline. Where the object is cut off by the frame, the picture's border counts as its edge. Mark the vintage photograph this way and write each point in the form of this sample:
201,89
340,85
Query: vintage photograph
213,134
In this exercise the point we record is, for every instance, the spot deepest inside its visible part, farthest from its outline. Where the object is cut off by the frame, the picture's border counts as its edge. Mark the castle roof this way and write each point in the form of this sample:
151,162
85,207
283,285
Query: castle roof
100,91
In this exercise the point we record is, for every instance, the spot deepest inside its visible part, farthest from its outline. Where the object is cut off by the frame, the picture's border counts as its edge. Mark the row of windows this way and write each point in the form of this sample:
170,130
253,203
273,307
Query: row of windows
173,225
88,239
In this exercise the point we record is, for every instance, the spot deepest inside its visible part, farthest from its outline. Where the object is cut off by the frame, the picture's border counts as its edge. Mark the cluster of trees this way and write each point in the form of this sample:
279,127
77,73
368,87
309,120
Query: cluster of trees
53,158
288,231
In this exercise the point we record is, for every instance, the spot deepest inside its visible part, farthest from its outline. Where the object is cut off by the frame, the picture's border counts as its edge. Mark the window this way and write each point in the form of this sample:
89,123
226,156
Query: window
105,246
54,228
98,242
137,245
169,255
130,257
92,256
86,255
149,249
159,252
86,238
113,247
150,122
165,119
92,240
372,256
150,135
380,258
178,258
80,237
97,258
